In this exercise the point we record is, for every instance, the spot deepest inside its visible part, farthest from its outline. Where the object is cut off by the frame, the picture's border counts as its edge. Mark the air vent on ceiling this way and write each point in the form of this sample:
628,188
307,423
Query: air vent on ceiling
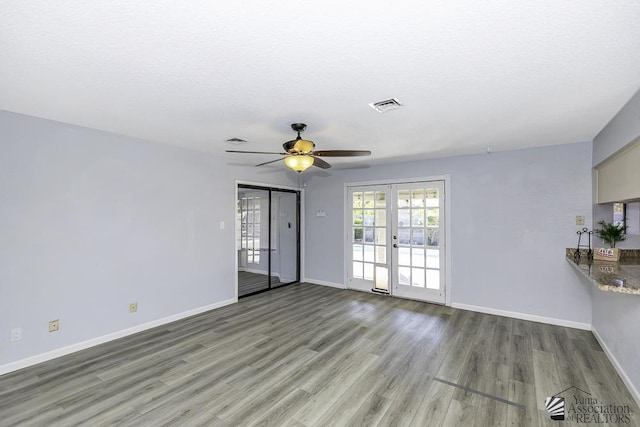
236,141
386,105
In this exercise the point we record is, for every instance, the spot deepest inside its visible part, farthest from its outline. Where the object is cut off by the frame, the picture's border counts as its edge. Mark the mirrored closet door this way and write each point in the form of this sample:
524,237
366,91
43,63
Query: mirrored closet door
267,238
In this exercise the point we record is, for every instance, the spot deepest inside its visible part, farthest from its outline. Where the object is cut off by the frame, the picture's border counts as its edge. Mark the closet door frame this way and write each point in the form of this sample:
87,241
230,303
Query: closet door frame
299,225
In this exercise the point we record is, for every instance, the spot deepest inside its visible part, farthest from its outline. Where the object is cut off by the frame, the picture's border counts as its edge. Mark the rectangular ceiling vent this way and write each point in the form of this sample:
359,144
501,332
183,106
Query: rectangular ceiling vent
236,141
386,105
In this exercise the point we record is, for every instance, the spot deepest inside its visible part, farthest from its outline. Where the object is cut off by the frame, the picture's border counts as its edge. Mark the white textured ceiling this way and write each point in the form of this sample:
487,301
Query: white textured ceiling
506,74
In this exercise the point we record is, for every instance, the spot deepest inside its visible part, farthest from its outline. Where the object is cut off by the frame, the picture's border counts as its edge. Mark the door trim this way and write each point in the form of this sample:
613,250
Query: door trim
446,178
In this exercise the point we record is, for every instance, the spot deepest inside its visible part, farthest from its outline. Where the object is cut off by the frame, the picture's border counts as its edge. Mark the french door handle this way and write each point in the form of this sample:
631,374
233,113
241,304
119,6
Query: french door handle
395,245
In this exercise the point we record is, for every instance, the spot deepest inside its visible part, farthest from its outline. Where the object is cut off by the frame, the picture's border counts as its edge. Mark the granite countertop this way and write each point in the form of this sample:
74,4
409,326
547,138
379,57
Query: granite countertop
621,276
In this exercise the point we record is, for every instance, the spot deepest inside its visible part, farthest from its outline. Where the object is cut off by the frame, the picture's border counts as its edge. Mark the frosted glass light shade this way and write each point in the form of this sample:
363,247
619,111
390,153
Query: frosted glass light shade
303,146
299,163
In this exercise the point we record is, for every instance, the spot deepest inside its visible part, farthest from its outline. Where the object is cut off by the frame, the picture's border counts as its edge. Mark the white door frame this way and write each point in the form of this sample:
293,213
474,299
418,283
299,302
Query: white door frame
235,231
447,205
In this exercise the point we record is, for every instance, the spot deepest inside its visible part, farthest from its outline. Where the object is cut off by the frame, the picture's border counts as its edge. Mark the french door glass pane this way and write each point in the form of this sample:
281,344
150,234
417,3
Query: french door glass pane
404,216
403,236
357,235
357,200
368,217
433,236
404,256
368,253
433,279
433,258
358,218
357,270
368,199
432,197
417,237
417,257
417,198
417,277
381,236
404,276
381,199
357,252
381,255
403,198
433,217
381,217
417,217
368,271
368,235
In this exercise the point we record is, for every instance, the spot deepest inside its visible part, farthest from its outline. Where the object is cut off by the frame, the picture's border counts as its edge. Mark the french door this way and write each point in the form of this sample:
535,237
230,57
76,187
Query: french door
396,240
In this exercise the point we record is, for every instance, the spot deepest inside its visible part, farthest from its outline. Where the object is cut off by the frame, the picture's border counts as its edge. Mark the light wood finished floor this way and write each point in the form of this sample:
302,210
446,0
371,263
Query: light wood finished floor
306,355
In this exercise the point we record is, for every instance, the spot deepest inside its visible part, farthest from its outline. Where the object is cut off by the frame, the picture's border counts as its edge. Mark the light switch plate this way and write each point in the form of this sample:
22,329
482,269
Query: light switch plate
579,220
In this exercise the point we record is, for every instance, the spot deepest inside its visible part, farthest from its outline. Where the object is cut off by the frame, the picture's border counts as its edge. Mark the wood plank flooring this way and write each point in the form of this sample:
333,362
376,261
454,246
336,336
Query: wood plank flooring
307,355
249,283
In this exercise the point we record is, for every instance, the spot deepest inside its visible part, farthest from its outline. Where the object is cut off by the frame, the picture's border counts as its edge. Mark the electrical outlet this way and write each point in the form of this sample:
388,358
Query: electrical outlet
579,220
133,307
54,325
16,334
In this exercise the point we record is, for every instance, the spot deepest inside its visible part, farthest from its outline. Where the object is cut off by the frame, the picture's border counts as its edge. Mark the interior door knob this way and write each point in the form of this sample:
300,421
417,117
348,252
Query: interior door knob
395,245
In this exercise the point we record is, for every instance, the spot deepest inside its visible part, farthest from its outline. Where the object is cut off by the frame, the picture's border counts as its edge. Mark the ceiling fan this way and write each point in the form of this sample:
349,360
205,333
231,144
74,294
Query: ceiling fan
300,155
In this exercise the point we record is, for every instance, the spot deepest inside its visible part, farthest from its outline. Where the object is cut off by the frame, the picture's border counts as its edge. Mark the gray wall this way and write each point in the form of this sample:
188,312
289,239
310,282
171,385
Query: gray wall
513,215
616,316
92,221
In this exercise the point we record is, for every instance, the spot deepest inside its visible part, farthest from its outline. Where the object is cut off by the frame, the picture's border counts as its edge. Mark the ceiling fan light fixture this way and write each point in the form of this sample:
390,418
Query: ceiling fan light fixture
303,146
299,163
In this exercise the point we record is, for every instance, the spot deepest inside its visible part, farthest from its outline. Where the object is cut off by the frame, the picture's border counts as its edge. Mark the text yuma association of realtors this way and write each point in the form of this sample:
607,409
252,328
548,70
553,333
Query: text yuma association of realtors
589,410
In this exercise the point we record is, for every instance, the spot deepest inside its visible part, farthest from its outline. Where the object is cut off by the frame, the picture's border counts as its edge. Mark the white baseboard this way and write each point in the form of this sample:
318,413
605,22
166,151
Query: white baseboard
627,381
524,316
324,283
63,351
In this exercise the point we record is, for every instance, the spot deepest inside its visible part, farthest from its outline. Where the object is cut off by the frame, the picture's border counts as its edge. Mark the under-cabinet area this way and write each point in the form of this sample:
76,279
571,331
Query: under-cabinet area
618,177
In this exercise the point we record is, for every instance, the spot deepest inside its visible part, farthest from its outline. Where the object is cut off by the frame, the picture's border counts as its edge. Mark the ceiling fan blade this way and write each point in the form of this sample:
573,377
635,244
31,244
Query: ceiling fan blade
341,153
254,152
320,163
270,161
